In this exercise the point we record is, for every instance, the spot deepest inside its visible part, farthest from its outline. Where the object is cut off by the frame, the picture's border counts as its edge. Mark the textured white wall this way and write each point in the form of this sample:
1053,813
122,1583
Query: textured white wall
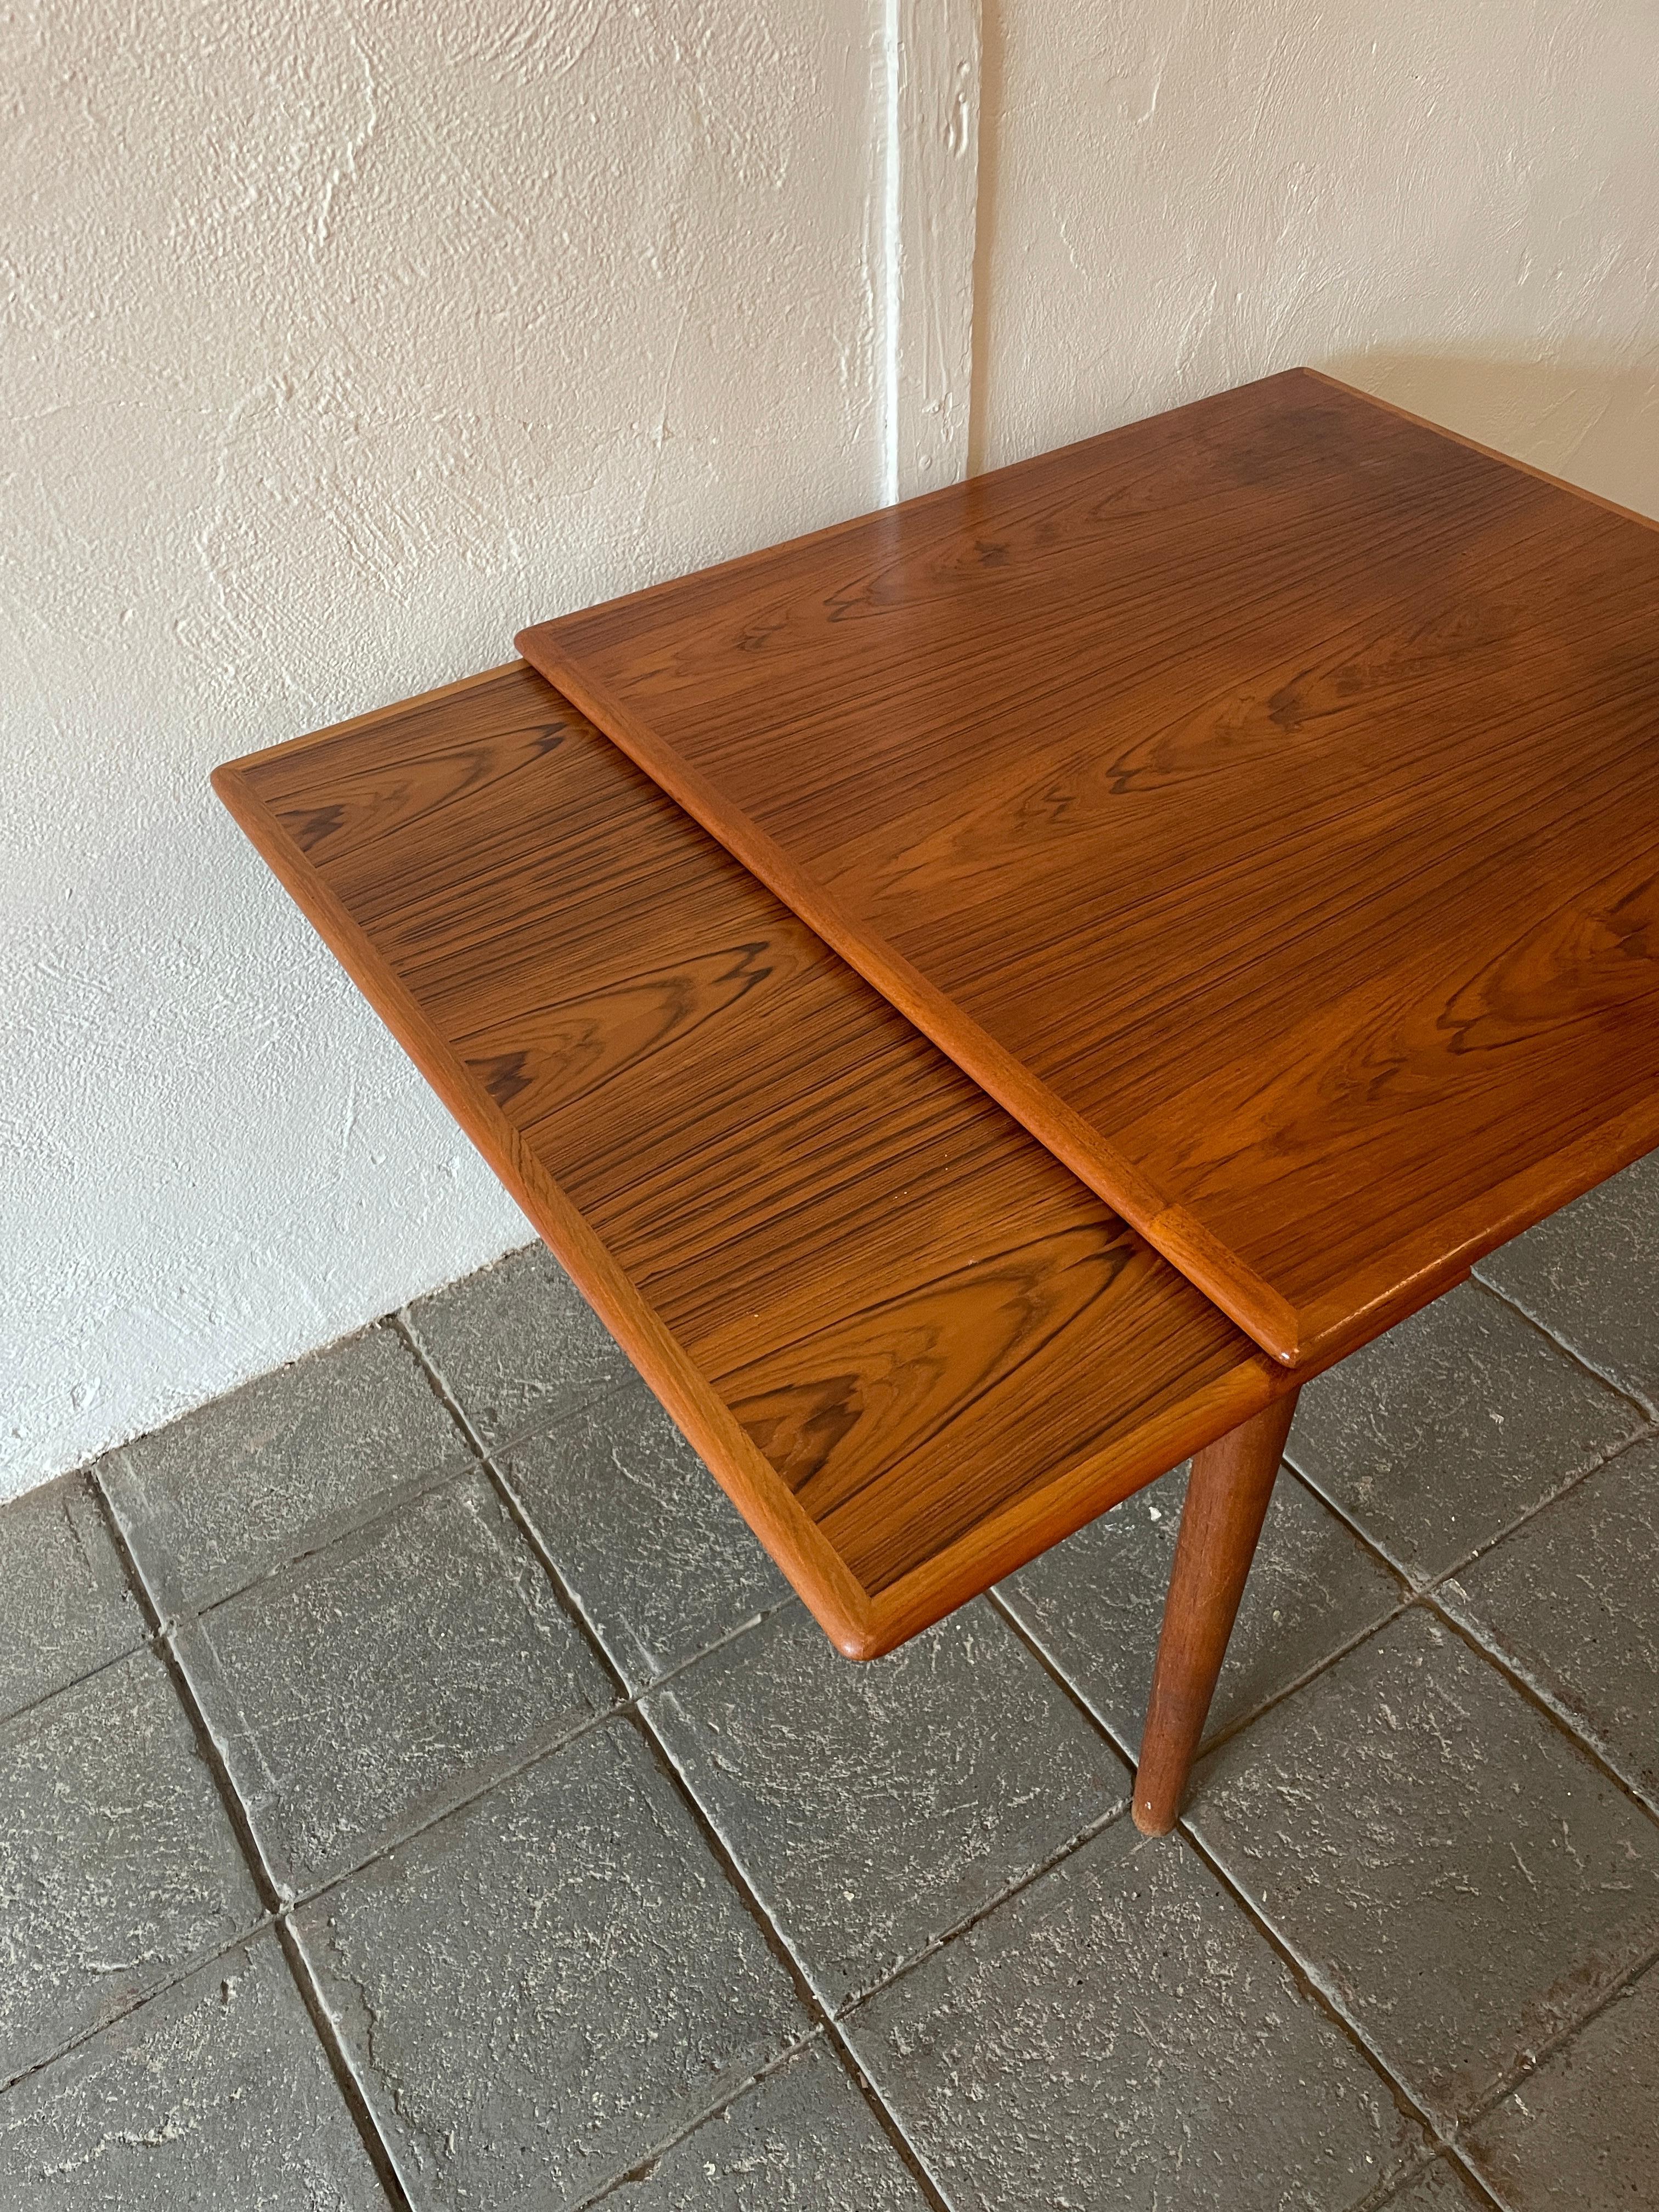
1452,203
335,341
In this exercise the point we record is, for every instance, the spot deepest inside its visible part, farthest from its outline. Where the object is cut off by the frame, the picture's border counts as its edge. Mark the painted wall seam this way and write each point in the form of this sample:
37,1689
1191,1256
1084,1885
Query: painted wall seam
932,54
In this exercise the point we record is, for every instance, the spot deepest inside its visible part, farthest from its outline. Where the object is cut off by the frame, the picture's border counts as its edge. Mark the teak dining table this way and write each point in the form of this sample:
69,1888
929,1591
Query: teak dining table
1260,802
987,999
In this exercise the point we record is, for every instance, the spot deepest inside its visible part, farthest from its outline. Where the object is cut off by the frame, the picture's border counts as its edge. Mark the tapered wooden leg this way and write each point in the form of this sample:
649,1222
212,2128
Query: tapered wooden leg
1227,1495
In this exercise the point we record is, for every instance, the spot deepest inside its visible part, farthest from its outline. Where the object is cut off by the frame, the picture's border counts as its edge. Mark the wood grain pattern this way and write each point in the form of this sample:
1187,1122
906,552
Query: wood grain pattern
1261,802
1228,1492
914,1349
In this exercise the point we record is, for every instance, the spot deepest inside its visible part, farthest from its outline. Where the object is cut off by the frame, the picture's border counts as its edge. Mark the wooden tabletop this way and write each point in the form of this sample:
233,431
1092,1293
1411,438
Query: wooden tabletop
914,1349
1261,802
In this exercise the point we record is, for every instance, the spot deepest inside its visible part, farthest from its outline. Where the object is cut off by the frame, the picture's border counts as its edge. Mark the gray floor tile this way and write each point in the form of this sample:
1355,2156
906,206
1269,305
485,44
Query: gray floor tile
1443,1432
215,2097
1590,1273
874,1806
1581,2134
356,1692
641,1532
517,1343
1438,1855
1095,1604
550,1983
1439,2188
235,1490
802,2138
1120,2035
1571,1601
65,1605
118,1863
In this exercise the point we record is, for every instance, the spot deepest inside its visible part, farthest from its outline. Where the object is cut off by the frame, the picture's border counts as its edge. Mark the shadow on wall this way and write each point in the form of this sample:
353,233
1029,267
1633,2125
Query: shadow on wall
1596,422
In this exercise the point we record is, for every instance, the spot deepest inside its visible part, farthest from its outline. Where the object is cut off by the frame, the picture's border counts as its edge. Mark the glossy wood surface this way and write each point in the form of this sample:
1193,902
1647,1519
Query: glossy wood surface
1262,802
914,1349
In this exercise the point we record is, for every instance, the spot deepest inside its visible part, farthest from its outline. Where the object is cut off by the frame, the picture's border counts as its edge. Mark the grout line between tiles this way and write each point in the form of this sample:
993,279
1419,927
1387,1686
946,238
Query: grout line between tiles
1129,1752
832,2020
1024,1881
1447,2153
1543,1329
1447,2139
888,2122
498,1777
631,1708
271,1891
1056,1674
969,1921
648,2162
1398,2189
628,1705
1470,2180
825,2033
1300,1974
280,1907
138,1580
1333,1658
375,2146
1649,1410
571,1604
548,1416
1537,2059
1412,1598
1466,1560
1307,1980
1423,1594
275,1924
776,1941
524,1521
381,1506
350,2081
149,1641
1540,1705
646,2165
778,1944
1422,1598
198,1963
1425,1598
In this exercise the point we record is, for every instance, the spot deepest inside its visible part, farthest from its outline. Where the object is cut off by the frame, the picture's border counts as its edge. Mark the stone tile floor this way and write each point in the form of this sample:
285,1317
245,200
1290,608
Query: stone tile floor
415,1787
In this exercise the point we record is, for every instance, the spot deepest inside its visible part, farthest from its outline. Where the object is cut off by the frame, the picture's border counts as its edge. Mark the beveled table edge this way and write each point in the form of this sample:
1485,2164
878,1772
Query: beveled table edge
859,1626
1401,1278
